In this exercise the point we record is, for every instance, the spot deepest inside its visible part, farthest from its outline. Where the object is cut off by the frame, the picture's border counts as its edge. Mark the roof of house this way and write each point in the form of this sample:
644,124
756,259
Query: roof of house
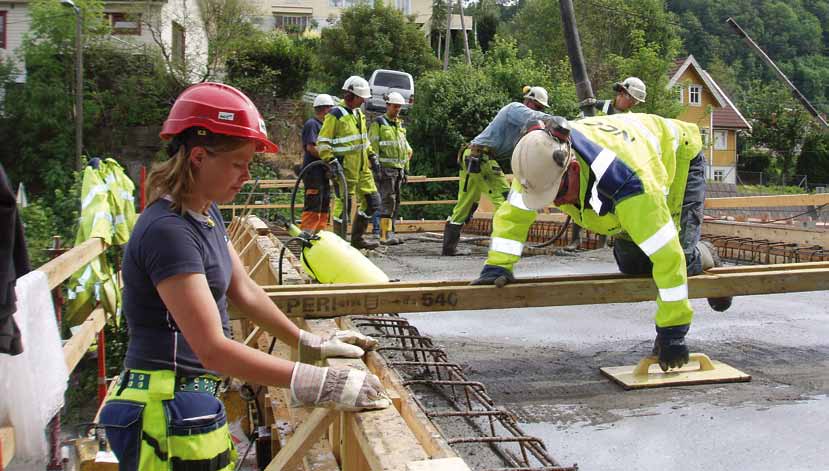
727,115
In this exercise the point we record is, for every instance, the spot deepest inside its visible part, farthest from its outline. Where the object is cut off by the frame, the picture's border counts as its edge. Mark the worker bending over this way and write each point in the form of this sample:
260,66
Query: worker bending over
480,172
636,177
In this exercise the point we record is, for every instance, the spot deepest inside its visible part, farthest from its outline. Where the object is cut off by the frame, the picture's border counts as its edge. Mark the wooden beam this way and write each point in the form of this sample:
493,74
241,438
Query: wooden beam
382,437
412,226
772,232
767,201
308,432
429,437
6,446
424,203
62,267
75,348
556,291
531,280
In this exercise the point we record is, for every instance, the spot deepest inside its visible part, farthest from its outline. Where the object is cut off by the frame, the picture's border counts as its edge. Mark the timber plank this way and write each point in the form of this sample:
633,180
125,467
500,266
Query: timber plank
602,289
303,438
76,347
6,446
385,440
767,201
771,232
62,267
427,434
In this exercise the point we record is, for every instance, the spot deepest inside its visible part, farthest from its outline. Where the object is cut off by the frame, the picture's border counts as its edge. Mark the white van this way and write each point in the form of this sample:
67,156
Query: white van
384,81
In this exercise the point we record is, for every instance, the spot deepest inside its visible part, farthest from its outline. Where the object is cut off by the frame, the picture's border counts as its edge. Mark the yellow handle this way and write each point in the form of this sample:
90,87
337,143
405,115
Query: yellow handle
645,363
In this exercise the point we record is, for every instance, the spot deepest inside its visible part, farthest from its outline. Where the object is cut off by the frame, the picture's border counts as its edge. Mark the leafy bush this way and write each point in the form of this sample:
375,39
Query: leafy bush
270,65
374,37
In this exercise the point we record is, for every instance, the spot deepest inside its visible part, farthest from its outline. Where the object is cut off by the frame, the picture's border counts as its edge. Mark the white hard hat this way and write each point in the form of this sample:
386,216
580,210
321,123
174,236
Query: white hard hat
538,94
635,88
539,163
358,86
395,98
323,100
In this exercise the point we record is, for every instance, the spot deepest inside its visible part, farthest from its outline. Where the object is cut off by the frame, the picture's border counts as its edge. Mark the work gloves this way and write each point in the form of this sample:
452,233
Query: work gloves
670,347
344,343
335,168
375,165
346,389
494,275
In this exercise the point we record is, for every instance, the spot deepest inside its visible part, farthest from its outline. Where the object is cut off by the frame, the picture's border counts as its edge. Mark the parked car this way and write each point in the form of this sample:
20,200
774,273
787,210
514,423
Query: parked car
384,81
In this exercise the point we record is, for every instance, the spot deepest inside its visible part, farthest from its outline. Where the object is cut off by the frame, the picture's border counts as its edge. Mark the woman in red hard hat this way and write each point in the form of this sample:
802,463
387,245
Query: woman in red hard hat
179,273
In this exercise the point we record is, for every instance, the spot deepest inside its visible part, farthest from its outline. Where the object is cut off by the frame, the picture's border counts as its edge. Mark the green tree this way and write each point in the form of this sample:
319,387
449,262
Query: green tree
270,65
647,62
814,158
454,106
374,37
779,124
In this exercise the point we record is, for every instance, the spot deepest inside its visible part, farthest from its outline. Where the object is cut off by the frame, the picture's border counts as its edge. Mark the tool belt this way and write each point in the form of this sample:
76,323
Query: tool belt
204,383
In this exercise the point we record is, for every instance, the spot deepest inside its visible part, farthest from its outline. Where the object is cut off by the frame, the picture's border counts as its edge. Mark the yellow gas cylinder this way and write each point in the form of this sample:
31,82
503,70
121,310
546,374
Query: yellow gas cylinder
330,259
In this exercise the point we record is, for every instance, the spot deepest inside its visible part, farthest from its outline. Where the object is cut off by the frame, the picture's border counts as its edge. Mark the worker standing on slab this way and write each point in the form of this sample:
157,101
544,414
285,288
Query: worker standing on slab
629,93
179,272
388,136
343,142
317,186
637,177
480,173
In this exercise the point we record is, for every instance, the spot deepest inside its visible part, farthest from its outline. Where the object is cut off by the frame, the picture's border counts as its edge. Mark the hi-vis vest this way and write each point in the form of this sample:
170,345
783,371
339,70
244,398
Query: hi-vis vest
634,168
344,134
108,212
389,139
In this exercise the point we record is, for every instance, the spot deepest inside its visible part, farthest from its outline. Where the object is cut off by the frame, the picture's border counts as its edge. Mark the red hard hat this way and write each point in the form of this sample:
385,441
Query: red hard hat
221,109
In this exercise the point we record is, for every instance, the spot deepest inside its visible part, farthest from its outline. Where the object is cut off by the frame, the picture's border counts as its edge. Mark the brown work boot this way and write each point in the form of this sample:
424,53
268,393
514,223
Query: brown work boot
358,229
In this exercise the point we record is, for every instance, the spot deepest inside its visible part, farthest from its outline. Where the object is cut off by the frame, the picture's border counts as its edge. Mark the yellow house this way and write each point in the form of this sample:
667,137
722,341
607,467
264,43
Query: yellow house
706,105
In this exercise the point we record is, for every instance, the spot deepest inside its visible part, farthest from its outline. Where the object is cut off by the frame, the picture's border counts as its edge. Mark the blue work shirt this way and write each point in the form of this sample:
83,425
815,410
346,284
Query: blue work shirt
503,132
165,243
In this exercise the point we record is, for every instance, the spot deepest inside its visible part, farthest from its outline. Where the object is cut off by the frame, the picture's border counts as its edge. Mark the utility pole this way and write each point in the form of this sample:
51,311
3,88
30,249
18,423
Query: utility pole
78,81
448,35
465,38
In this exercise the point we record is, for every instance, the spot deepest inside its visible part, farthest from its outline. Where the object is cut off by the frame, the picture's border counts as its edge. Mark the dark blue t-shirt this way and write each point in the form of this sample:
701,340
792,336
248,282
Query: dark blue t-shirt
165,243
310,132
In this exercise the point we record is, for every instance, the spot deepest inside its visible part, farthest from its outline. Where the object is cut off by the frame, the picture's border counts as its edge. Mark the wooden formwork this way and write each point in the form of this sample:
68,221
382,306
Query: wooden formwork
398,438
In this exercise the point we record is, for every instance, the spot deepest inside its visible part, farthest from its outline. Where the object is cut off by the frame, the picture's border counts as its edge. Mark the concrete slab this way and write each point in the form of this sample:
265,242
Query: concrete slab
544,365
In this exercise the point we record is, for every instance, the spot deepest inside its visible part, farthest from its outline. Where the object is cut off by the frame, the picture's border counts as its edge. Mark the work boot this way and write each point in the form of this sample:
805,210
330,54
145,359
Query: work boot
494,275
710,259
451,237
358,229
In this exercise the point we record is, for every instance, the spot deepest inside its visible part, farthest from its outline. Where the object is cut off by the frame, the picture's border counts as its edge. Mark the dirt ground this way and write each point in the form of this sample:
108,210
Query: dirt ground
543,364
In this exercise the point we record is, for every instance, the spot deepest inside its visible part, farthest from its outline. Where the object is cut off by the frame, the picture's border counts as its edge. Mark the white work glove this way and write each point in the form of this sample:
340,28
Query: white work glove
344,343
346,389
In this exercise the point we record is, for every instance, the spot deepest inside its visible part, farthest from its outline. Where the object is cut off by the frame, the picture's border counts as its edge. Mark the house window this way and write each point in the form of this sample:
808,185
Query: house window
678,90
178,42
720,140
719,175
292,23
704,133
125,24
695,95
2,29
405,6
346,3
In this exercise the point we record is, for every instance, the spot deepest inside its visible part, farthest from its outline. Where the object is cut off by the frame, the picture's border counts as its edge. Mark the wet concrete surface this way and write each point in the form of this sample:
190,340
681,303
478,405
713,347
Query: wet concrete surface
543,363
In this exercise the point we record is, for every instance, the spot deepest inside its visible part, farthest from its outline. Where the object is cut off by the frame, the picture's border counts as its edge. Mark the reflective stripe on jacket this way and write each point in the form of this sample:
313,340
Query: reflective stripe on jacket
632,183
388,137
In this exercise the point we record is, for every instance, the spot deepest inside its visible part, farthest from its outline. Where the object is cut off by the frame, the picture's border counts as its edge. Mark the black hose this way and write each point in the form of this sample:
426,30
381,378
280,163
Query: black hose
555,238
301,240
340,181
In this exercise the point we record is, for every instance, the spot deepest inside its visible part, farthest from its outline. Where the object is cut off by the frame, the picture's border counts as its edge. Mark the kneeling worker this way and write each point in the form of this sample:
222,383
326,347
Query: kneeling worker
636,177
